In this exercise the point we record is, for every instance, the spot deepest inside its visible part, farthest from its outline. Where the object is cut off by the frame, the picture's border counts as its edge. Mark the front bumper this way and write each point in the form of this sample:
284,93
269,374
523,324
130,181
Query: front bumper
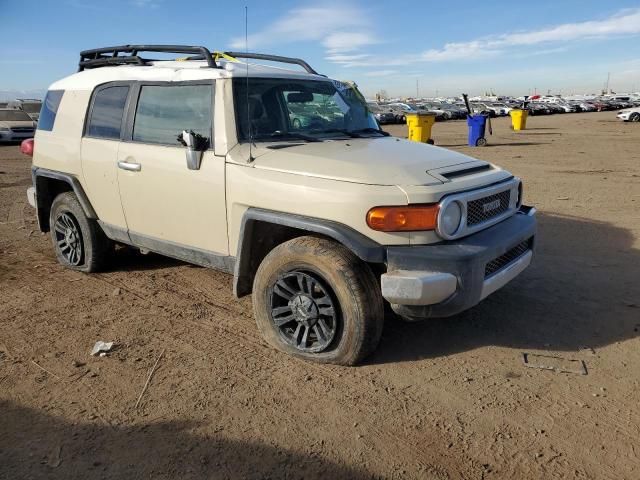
447,278
623,116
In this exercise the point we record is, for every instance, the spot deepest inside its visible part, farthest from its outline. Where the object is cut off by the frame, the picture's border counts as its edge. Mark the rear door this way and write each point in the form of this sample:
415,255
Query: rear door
166,205
104,128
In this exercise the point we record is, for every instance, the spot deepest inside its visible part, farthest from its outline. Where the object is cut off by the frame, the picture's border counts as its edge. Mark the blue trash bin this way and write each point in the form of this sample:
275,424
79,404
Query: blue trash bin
477,125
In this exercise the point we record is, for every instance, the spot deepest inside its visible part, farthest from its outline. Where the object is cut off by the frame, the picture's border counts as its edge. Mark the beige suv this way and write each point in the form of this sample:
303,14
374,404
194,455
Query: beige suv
279,177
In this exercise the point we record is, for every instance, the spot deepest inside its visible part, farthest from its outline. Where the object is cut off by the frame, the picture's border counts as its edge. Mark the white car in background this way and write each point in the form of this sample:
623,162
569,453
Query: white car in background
629,114
15,125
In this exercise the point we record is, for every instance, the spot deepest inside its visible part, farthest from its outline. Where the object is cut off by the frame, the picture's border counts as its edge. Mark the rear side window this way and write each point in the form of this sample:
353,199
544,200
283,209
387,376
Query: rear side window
165,111
49,109
105,118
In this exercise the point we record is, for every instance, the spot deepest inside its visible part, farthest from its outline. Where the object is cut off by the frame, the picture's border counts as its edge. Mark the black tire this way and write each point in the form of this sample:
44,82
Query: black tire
634,117
351,327
78,241
431,142
481,142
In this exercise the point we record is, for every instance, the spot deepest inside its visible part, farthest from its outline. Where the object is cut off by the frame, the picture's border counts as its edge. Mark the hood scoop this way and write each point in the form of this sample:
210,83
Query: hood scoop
448,174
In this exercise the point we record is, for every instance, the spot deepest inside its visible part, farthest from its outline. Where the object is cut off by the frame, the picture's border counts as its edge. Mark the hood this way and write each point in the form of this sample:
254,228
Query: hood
373,161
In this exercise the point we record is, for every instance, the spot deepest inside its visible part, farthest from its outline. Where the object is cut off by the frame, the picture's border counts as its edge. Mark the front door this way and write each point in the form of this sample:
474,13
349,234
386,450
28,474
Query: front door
167,207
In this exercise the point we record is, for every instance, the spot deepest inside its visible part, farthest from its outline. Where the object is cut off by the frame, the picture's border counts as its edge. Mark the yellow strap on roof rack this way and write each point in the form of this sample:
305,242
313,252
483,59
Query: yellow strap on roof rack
218,55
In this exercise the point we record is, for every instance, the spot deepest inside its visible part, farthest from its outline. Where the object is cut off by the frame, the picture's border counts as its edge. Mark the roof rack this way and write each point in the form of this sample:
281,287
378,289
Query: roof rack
106,56
273,58
102,57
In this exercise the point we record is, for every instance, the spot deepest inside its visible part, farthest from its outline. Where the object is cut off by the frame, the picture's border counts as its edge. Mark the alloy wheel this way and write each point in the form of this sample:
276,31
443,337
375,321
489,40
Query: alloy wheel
68,238
303,311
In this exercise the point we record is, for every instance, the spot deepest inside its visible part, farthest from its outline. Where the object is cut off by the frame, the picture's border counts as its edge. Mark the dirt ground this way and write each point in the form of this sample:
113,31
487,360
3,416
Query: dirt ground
441,399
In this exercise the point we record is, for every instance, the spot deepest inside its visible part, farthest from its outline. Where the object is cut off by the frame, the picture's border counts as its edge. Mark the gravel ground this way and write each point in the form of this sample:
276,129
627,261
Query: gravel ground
441,399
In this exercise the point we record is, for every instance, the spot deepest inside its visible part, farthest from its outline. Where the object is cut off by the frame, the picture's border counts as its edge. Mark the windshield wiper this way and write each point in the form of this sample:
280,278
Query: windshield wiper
371,130
293,135
347,133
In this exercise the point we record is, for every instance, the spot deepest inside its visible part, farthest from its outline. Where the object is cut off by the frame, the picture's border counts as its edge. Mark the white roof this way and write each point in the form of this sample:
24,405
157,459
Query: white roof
174,71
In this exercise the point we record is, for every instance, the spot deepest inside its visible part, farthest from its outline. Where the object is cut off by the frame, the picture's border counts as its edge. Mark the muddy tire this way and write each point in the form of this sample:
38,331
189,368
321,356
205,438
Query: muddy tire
78,241
314,299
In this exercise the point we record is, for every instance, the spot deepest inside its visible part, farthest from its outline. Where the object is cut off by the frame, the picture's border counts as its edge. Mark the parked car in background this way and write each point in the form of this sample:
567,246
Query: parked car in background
383,117
629,115
31,106
15,125
483,108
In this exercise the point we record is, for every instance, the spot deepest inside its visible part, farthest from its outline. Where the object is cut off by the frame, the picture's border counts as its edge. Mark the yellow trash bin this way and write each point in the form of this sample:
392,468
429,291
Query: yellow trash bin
518,119
419,125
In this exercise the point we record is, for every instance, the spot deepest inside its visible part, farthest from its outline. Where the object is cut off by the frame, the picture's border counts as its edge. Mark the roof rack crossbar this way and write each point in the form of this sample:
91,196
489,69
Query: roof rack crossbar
100,57
273,58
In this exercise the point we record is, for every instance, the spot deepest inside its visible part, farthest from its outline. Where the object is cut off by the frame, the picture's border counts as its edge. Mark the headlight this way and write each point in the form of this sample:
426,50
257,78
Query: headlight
450,218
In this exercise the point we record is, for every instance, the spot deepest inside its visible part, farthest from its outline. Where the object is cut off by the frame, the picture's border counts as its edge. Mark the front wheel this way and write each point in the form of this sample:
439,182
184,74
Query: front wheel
481,142
634,117
313,298
79,242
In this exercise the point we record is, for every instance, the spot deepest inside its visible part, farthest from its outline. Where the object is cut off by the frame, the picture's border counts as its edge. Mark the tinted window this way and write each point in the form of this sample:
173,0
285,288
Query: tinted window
49,109
165,111
107,112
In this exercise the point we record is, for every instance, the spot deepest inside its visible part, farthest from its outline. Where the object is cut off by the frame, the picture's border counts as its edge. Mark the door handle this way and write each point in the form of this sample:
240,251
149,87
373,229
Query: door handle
132,167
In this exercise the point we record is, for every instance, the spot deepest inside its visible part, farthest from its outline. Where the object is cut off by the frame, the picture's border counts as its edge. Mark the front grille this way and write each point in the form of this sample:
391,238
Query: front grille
486,208
502,261
22,129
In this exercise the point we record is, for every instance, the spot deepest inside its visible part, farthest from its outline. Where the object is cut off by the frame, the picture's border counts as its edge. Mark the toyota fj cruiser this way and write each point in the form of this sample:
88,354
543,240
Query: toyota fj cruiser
281,177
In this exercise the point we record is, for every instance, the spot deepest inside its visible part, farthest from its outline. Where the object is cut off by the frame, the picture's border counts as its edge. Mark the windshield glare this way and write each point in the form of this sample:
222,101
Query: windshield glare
14,115
278,108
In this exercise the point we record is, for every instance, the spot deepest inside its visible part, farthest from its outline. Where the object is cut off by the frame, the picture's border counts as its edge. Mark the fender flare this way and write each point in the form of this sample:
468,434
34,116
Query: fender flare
362,246
73,182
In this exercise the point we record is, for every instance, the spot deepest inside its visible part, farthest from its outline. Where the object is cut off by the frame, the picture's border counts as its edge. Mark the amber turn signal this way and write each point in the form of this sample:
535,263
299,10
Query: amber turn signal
403,219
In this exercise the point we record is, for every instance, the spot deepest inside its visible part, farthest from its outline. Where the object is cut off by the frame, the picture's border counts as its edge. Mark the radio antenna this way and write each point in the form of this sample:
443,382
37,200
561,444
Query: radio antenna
246,49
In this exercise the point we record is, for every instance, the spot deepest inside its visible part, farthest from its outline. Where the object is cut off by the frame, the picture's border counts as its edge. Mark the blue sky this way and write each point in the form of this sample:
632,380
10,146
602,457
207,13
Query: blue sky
444,48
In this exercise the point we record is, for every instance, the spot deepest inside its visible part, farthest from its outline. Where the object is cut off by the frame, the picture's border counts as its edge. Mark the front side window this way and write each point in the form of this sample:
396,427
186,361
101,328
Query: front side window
281,108
50,109
107,113
164,111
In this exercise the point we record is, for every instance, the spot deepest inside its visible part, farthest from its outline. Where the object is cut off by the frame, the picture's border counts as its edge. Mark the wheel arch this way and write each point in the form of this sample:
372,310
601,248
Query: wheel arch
262,230
48,185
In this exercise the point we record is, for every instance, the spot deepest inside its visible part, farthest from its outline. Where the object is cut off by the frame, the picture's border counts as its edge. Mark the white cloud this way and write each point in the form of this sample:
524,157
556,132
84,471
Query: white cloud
623,23
348,41
340,28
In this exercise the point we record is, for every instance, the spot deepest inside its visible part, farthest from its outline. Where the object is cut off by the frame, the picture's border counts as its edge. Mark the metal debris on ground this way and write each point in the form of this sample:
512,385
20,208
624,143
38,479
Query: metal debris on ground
554,363
101,347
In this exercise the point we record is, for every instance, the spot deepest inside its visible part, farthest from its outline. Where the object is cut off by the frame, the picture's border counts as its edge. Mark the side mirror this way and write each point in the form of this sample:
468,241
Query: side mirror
196,145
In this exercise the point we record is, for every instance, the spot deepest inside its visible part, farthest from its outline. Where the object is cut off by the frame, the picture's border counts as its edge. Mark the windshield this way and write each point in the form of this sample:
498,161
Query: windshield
14,115
299,109
31,107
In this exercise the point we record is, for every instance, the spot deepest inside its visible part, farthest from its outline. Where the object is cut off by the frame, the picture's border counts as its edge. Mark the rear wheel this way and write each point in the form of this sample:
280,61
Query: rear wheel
313,298
481,142
634,117
79,242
